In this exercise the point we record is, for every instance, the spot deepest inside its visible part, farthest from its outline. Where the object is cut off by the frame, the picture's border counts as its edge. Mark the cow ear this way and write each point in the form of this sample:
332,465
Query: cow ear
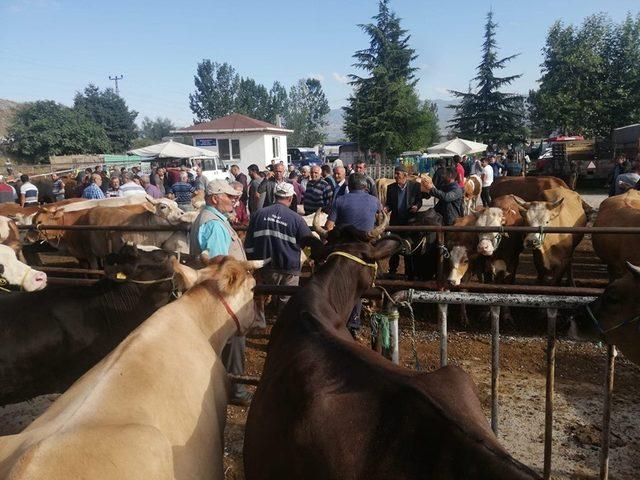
231,276
187,276
385,247
555,204
635,271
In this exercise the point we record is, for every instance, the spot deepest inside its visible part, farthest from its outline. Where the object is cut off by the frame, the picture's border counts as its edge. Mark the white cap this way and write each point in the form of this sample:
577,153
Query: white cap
337,163
284,190
215,187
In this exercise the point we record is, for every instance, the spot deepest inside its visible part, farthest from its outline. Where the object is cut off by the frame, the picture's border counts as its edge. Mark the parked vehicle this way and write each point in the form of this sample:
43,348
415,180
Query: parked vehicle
303,156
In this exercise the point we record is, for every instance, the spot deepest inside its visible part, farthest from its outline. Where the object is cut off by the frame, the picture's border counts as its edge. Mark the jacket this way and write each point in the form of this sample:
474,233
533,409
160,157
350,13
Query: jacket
450,204
400,213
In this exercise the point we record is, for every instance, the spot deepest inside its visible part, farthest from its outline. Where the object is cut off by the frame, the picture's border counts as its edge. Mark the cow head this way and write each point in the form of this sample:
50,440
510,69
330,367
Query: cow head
229,278
17,273
168,210
458,263
139,263
538,214
46,216
488,242
419,241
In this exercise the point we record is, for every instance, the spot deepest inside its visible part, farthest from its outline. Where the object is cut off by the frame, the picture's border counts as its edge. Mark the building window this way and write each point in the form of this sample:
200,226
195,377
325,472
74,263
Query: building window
228,149
275,145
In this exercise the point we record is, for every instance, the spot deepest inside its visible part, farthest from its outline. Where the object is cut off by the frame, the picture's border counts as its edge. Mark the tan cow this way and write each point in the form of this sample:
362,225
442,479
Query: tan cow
527,188
25,215
553,252
463,257
614,250
155,407
472,190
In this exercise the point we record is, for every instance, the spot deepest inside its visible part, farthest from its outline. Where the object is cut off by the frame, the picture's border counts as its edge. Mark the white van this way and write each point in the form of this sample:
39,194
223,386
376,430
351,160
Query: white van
213,168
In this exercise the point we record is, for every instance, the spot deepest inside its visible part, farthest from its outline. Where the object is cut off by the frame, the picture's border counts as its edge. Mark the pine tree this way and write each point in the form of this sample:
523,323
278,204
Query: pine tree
384,113
489,115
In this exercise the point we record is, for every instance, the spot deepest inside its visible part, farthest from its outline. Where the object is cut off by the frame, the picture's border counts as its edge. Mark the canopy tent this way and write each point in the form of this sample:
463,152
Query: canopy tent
172,149
457,146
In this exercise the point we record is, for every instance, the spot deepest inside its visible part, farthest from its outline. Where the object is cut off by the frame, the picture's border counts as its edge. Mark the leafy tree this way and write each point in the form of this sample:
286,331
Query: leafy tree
590,79
384,113
278,102
488,114
111,112
156,129
44,128
308,107
216,91
252,99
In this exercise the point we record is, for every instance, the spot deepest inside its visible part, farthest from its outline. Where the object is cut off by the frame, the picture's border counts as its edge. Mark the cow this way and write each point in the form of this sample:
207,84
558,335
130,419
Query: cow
462,259
527,188
25,215
13,272
328,407
552,253
10,236
472,190
421,254
618,211
155,407
614,316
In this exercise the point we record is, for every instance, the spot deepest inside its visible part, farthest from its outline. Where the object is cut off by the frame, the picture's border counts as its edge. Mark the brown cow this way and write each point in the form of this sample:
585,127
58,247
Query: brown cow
472,190
553,252
25,215
619,211
463,259
155,407
326,407
527,188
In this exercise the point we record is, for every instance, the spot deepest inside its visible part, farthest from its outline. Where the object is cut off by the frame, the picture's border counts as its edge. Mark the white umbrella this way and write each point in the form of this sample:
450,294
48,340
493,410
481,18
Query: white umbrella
172,149
457,146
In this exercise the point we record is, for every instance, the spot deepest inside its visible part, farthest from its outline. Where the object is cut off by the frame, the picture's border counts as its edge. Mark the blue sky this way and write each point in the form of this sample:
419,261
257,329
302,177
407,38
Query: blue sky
49,49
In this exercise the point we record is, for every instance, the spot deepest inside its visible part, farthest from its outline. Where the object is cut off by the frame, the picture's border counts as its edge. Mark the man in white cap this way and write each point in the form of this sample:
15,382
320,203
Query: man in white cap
278,233
211,231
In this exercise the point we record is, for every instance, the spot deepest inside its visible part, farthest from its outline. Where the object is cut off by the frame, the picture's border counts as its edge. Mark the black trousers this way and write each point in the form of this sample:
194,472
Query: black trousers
486,198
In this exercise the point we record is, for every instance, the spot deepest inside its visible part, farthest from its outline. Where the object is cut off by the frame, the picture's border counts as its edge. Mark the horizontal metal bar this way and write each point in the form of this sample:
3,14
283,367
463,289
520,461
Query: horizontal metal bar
114,228
503,299
85,271
79,282
244,379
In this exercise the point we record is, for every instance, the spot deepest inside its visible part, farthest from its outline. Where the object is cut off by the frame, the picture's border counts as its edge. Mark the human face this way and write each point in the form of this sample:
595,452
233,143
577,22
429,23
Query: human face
223,202
339,174
316,173
115,183
278,170
360,168
400,177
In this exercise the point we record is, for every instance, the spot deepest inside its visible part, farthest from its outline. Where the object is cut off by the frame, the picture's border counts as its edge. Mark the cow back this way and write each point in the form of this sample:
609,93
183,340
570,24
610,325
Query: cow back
527,188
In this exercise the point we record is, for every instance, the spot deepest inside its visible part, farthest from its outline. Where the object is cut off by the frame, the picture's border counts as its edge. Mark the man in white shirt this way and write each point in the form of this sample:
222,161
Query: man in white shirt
487,180
28,192
130,187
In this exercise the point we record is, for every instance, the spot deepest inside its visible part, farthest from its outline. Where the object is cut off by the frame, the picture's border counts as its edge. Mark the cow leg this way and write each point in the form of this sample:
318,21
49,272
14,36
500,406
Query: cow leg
464,317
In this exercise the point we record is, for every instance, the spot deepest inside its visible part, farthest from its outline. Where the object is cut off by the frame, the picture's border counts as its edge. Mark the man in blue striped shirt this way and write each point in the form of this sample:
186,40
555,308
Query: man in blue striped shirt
183,191
93,191
318,194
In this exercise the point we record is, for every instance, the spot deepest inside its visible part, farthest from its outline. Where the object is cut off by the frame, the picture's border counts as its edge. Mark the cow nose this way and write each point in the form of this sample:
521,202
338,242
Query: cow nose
40,277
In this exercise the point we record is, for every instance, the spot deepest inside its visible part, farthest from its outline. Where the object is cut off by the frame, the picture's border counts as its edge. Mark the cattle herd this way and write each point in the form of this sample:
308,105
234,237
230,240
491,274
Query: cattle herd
136,356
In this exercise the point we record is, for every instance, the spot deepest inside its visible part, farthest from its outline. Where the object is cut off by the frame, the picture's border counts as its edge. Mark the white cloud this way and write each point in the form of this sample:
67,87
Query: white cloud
25,5
317,76
340,78
442,91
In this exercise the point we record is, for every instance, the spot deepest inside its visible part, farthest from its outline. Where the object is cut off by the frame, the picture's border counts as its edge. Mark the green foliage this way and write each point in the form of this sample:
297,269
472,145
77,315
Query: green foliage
111,112
308,107
252,99
488,114
590,80
155,130
384,114
278,102
45,128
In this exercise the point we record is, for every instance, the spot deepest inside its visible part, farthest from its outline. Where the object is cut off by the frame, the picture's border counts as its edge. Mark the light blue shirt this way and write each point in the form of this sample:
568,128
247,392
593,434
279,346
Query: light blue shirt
213,236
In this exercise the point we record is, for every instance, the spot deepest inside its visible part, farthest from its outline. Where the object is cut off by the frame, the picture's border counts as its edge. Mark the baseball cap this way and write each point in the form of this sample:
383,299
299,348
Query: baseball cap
284,190
215,187
400,168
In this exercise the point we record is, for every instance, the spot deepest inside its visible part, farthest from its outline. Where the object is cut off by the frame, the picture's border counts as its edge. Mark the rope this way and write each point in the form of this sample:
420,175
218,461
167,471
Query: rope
380,329
445,251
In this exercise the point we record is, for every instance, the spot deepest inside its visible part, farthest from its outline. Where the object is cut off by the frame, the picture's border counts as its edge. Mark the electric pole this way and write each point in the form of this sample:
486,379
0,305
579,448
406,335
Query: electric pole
115,78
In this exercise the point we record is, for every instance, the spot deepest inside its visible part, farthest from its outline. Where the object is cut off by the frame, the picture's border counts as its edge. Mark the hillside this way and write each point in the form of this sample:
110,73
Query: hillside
7,110
335,120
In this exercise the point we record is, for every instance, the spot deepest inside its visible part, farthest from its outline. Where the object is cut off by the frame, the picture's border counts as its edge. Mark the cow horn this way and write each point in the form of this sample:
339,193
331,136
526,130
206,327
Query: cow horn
633,269
256,264
320,230
557,203
521,202
204,256
383,223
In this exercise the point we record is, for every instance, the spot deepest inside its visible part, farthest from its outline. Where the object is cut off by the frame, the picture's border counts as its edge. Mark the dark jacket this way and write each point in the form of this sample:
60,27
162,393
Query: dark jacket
450,204
400,213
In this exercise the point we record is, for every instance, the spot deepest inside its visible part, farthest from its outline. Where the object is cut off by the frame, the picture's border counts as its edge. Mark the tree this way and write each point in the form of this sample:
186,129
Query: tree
384,113
590,79
252,99
488,114
156,129
308,107
44,128
109,110
278,103
216,91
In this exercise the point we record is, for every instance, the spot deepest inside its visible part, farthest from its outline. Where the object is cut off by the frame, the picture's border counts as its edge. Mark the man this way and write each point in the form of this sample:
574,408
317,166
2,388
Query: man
625,181
340,174
28,192
7,193
152,190
403,200
57,188
159,179
242,178
326,174
361,167
129,187
513,166
450,197
297,188
487,180
211,231
114,187
183,192
199,181
82,174
305,176
253,196
621,167
318,193
438,173
457,161
277,232
268,187
498,167
93,191
240,216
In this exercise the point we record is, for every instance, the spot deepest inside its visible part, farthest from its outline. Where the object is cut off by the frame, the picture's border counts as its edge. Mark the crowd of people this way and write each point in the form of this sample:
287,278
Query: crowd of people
625,175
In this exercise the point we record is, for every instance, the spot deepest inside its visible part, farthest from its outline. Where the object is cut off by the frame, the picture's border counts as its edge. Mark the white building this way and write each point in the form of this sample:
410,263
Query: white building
241,140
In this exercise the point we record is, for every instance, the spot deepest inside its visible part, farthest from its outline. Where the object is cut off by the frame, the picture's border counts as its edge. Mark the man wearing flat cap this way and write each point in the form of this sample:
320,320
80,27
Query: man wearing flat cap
211,231
277,232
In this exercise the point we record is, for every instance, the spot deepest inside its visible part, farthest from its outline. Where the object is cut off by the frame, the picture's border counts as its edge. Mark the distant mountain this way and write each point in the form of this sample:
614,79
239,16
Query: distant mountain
336,121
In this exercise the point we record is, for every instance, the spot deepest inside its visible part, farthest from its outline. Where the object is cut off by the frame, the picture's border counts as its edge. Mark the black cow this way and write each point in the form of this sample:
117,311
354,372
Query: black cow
328,408
422,253
55,335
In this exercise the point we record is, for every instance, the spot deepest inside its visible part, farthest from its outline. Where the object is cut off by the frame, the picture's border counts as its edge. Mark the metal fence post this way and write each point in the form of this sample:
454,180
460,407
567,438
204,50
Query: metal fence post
495,367
552,314
606,412
442,328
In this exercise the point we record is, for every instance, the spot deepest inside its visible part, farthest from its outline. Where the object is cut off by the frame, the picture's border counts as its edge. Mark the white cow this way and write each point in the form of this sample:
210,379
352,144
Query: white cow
17,273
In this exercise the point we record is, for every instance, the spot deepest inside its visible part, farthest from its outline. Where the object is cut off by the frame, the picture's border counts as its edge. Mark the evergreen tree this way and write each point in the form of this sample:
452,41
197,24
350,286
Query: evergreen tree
384,113
489,115
278,102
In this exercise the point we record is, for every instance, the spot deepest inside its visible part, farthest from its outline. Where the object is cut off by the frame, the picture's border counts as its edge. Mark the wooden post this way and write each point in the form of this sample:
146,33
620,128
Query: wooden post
552,314
495,367
606,412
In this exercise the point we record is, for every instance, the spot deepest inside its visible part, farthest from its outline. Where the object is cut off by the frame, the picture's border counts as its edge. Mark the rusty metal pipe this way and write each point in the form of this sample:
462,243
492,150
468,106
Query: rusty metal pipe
606,412
552,315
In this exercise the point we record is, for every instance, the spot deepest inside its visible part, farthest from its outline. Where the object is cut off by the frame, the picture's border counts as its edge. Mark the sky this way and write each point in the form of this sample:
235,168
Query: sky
50,49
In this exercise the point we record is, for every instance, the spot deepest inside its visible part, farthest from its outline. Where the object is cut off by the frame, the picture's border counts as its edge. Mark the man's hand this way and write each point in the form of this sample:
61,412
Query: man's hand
426,184
413,209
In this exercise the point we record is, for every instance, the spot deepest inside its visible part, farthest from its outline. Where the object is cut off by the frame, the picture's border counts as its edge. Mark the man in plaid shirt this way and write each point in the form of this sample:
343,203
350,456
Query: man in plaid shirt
93,191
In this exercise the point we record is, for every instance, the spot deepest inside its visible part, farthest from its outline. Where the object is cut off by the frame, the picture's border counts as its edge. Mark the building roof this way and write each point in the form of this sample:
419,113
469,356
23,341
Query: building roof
232,124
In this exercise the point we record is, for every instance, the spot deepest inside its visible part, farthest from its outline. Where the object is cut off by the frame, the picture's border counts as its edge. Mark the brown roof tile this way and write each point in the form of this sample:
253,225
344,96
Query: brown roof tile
233,122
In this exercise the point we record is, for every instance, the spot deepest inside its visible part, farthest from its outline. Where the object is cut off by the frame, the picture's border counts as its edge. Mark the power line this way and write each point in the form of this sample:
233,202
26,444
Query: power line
115,78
